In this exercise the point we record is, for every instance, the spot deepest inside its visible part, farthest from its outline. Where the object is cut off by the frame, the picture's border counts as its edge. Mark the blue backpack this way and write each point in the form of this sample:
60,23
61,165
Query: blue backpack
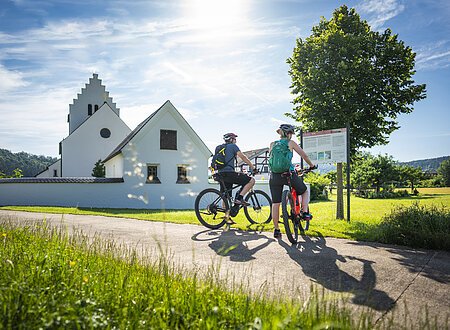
280,157
218,160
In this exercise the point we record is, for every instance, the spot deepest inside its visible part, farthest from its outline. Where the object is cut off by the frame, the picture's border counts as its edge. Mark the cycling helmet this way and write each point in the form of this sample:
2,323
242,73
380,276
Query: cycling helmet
229,137
285,129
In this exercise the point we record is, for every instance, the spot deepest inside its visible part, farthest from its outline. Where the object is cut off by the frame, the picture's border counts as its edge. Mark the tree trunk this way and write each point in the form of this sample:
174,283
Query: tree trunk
340,192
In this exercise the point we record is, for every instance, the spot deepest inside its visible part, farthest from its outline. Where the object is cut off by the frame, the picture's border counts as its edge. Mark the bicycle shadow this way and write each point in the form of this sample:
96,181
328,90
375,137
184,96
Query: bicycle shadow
233,243
319,262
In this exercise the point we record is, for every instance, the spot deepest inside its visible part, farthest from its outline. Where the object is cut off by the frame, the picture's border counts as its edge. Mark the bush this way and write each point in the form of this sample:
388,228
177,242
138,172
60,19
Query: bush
318,184
388,193
417,226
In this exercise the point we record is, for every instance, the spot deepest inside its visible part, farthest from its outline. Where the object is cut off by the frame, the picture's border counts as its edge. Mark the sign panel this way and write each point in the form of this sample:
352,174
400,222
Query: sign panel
326,146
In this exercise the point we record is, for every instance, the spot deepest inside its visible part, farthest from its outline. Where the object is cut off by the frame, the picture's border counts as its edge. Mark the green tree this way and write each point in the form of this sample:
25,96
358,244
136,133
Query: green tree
444,172
373,171
345,73
410,174
99,169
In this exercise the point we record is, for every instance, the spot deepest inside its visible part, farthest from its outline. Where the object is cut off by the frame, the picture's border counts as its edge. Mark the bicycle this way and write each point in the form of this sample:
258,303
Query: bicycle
213,207
291,208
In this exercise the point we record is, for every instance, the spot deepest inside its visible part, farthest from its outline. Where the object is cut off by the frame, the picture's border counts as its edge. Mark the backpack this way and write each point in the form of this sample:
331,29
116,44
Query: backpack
280,157
218,160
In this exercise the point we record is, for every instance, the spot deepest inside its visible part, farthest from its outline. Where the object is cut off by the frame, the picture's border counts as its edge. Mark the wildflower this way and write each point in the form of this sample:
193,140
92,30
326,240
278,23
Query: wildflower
85,279
72,263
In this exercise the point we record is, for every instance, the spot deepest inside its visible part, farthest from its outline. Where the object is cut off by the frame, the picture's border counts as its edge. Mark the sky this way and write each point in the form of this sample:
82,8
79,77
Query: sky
221,63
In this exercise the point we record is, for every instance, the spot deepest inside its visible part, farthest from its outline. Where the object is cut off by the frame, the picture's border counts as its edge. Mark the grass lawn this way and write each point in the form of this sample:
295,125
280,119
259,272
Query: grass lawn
366,214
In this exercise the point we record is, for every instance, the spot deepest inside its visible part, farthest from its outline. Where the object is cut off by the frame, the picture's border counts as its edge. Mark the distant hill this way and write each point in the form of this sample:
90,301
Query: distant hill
29,164
429,165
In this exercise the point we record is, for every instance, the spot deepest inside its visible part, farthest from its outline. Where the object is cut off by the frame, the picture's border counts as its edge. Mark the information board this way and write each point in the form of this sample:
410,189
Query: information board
326,146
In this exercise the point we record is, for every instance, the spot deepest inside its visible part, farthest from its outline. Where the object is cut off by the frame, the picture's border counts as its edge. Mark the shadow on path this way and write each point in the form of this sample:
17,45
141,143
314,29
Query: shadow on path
319,262
233,243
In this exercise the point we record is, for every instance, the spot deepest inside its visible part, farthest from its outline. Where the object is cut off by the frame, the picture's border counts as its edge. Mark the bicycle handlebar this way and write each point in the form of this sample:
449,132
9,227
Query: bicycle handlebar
302,171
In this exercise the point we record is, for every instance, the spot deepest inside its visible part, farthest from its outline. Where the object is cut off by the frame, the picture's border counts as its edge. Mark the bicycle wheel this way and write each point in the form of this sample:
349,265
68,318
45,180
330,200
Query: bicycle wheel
260,209
211,208
290,222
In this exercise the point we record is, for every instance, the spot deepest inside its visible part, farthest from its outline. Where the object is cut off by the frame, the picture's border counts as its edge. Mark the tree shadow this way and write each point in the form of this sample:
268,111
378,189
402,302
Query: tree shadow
319,262
233,243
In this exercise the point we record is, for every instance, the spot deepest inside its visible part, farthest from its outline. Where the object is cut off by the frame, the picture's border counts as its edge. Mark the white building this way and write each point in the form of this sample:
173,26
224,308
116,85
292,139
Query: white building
162,163
95,129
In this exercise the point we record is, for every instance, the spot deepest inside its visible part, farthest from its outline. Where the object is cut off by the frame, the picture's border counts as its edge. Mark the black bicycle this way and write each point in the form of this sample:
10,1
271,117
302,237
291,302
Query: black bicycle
292,210
213,207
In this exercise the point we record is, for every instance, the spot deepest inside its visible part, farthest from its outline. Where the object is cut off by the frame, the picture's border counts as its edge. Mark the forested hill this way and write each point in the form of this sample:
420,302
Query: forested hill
29,164
431,164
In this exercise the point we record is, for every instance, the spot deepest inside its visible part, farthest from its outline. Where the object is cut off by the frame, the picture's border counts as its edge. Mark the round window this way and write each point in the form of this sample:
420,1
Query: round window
105,133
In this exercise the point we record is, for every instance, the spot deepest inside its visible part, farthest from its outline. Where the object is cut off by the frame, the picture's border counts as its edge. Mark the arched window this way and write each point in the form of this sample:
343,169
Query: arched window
89,109
96,107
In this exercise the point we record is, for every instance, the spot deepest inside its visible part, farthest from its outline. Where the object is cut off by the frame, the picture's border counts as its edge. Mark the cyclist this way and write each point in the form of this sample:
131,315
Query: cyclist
277,181
230,176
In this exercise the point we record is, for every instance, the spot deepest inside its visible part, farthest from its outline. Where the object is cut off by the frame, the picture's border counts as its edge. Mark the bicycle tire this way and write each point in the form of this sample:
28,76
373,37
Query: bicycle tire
260,209
287,204
211,208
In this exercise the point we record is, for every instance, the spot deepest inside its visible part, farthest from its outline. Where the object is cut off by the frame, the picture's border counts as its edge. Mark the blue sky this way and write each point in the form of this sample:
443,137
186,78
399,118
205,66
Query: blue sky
221,63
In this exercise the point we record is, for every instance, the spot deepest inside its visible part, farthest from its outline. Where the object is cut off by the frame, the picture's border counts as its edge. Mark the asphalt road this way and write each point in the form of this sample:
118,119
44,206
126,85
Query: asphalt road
389,280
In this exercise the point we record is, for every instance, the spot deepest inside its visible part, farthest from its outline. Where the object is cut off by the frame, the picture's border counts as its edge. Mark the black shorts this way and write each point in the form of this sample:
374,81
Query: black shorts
277,182
230,178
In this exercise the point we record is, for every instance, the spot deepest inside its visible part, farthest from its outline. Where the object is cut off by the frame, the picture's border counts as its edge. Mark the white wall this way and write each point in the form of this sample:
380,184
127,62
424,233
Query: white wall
145,149
114,167
107,195
84,147
50,171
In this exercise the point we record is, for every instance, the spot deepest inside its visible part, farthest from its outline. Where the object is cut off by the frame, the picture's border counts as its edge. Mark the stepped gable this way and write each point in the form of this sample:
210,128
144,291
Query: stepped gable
91,98
95,82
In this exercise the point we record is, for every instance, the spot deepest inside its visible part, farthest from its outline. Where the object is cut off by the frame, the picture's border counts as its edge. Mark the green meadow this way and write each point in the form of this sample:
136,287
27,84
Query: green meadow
364,225
49,280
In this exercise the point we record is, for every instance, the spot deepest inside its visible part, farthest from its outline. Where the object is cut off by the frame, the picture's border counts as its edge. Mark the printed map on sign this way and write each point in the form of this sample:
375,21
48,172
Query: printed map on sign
326,146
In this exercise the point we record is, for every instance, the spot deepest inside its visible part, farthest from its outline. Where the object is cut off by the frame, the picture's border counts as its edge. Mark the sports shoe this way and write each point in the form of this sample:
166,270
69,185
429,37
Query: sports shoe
240,202
277,233
307,216
234,210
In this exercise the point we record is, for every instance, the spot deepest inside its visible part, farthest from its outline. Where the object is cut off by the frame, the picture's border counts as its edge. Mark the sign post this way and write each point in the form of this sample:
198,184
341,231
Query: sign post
329,146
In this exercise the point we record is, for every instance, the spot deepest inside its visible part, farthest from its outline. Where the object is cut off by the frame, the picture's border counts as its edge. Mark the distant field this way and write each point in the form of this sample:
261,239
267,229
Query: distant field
366,214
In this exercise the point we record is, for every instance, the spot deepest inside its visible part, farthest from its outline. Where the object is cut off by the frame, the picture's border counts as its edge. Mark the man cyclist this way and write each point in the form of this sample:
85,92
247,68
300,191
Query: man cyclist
230,176
277,181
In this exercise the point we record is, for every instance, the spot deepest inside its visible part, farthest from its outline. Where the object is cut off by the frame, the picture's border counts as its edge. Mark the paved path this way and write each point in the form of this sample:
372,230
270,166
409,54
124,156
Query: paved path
382,278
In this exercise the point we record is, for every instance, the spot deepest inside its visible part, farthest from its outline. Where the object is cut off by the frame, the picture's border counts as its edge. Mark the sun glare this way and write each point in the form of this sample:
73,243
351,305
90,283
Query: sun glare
214,14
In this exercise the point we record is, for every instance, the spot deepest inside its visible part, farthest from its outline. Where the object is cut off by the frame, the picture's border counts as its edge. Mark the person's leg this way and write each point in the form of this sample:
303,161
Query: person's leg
276,215
276,183
247,187
302,191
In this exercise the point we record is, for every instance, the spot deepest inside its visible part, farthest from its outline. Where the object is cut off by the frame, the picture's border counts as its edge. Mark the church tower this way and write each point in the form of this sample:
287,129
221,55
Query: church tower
92,97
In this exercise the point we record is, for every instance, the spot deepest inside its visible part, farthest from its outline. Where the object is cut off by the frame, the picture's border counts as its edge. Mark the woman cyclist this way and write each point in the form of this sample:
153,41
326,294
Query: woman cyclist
277,180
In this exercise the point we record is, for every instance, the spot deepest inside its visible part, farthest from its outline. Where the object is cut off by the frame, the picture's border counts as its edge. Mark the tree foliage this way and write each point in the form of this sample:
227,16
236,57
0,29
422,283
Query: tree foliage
444,172
29,164
370,171
346,73
99,169
409,174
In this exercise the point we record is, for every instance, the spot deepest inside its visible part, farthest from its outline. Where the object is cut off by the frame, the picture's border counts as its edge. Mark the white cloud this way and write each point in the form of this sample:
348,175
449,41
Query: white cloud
10,80
434,56
380,11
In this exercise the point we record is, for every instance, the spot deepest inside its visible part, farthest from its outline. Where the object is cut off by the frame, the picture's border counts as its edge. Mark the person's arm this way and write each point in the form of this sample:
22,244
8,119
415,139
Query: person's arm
301,152
245,159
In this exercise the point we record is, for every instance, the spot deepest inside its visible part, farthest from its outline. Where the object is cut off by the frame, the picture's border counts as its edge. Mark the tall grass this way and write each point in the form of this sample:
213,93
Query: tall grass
417,226
51,280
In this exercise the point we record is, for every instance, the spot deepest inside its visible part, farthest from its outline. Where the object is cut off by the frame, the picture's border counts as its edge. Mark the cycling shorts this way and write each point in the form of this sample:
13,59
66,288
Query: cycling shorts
277,181
230,178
